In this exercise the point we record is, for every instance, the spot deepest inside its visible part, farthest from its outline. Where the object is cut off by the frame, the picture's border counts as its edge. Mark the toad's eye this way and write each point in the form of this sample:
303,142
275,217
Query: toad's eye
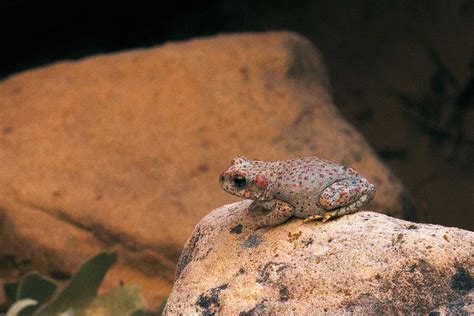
239,181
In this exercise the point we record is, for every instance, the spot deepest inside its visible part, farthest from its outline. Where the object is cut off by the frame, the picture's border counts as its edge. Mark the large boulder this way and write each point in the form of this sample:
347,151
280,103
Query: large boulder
124,150
365,263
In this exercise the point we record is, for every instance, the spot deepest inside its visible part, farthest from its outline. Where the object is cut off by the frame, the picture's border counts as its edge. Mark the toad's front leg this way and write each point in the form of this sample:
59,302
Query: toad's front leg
280,211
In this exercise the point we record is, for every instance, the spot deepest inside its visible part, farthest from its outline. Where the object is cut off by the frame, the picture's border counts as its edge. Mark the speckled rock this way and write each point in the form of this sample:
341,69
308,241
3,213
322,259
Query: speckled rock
124,150
366,263
464,306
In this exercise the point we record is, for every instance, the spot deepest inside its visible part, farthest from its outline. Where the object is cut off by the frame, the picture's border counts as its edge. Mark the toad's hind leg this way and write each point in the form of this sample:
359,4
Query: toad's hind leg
345,197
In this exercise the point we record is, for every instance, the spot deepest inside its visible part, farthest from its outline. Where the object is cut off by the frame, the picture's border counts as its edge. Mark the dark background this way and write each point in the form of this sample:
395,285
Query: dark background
402,71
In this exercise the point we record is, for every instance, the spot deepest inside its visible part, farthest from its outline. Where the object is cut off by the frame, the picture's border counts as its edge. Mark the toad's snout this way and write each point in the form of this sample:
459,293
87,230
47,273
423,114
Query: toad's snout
223,176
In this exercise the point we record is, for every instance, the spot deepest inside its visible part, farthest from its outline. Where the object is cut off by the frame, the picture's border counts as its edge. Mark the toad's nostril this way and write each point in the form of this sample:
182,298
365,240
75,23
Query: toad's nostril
221,178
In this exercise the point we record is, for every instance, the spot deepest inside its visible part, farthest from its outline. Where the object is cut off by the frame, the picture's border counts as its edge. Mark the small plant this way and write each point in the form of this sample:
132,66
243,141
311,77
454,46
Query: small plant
37,295
441,110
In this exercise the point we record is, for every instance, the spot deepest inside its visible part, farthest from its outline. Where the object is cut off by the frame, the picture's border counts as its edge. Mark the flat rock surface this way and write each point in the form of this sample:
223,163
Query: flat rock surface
124,150
365,263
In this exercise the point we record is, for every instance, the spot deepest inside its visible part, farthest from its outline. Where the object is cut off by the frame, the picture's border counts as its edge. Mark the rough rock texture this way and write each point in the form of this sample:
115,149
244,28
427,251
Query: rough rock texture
366,263
124,150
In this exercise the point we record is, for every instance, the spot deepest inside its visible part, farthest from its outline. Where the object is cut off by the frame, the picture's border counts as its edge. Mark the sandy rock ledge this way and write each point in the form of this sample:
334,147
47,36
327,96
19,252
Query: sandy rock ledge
365,263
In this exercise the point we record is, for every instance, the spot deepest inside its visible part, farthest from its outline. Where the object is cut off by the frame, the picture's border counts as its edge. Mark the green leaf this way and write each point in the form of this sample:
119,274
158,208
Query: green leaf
82,288
10,290
68,312
137,312
19,306
162,306
36,287
123,300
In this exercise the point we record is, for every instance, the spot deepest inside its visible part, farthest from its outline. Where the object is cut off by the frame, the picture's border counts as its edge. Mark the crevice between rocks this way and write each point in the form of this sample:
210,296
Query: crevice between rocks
156,261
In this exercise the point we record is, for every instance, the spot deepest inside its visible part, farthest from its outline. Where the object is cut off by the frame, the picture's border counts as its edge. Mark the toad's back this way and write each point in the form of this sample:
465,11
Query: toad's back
300,181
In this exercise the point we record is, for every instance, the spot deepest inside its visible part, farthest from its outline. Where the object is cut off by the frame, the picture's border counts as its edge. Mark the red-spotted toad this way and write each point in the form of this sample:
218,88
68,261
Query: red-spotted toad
311,188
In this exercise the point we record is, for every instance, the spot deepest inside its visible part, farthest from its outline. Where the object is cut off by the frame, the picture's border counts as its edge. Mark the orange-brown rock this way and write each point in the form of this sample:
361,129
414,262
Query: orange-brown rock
124,150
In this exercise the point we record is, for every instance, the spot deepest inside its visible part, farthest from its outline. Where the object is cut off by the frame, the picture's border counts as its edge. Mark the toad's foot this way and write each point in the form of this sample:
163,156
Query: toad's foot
321,217
329,215
313,218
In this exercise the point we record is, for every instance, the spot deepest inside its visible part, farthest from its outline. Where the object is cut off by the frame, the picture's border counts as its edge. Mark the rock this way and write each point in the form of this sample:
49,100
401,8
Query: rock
463,306
124,150
365,263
